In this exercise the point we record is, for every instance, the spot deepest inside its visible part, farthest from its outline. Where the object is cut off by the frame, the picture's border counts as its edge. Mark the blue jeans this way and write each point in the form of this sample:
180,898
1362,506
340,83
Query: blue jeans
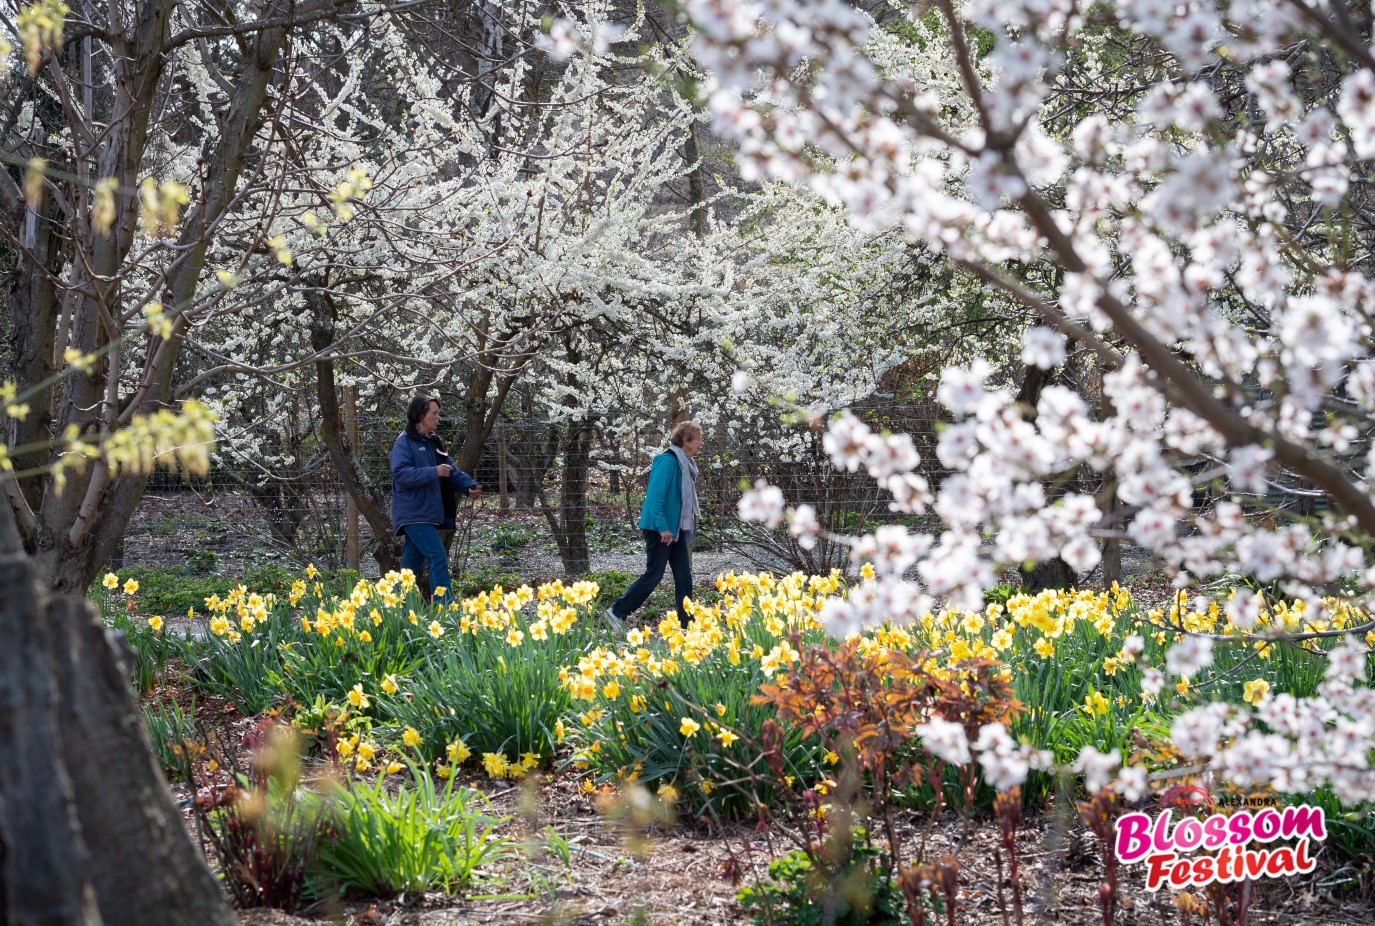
658,555
423,548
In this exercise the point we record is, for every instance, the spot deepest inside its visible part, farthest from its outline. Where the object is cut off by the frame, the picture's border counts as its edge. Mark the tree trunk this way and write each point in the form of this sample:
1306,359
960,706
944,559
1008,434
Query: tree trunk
386,550
1112,547
33,312
78,529
44,875
481,414
569,522
144,868
1048,573
77,764
283,505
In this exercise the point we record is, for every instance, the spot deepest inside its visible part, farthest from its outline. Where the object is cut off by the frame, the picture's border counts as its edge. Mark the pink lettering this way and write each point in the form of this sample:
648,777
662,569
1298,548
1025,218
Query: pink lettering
1132,843
1267,824
1188,834
1215,832
1303,821
1160,836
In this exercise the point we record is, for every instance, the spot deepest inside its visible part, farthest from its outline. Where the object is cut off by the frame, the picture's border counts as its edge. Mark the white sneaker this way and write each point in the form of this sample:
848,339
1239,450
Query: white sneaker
615,623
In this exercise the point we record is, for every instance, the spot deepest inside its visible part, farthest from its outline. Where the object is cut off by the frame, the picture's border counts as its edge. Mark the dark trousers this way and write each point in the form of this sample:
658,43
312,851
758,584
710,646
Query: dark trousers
658,554
425,551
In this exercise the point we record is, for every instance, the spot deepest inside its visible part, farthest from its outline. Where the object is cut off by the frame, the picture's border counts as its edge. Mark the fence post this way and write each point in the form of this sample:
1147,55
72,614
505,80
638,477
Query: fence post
501,468
351,554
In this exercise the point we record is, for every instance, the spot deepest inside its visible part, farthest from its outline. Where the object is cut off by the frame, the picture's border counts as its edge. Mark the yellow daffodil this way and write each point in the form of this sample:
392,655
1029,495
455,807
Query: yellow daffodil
1255,691
1095,704
411,737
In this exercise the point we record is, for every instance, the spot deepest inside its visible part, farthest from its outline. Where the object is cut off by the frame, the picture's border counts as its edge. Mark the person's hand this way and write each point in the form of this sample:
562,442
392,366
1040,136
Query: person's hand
475,491
666,536
444,469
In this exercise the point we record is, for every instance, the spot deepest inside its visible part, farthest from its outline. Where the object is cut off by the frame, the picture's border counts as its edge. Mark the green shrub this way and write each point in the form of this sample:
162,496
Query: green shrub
613,584
174,590
316,666
507,538
856,890
420,838
999,594
248,673
476,581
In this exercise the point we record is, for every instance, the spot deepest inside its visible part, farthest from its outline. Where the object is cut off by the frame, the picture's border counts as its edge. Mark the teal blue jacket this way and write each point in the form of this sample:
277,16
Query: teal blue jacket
664,497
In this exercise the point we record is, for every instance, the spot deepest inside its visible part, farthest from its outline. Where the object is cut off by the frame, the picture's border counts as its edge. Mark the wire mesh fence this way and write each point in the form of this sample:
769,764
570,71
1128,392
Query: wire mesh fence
291,505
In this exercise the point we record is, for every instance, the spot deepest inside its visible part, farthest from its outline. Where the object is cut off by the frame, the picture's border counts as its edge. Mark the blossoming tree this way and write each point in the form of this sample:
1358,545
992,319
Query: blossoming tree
1191,211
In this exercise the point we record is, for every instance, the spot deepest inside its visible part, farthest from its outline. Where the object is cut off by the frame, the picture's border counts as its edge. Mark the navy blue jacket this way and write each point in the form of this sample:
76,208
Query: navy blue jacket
415,491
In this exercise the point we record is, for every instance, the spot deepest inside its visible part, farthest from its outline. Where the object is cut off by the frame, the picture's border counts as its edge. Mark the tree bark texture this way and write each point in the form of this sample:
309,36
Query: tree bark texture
43,880
88,831
145,870
568,522
386,549
75,532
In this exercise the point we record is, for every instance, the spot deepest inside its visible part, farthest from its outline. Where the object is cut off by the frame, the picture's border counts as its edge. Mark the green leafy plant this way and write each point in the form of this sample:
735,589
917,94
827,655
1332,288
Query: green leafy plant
507,538
494,697
265,830
852,889
247,673
422,837
329,666
174,736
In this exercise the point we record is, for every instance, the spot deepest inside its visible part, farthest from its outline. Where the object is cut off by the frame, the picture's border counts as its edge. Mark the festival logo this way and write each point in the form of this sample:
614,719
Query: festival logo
1183,850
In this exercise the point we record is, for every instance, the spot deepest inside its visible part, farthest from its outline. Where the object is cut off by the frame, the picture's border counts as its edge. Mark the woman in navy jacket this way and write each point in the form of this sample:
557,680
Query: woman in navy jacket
424,493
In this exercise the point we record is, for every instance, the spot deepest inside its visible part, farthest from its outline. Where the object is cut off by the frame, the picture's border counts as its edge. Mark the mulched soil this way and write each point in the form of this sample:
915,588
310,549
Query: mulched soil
676,875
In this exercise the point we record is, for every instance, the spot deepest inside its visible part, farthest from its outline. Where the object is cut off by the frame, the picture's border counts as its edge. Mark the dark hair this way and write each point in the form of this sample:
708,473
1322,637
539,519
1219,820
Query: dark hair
683,432
419,408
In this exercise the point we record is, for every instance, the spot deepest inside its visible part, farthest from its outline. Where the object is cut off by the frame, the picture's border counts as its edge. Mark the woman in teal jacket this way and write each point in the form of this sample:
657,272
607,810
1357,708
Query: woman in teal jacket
668,521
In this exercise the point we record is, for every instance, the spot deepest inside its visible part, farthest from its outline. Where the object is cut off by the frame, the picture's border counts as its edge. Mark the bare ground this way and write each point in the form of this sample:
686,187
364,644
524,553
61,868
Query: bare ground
675,875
